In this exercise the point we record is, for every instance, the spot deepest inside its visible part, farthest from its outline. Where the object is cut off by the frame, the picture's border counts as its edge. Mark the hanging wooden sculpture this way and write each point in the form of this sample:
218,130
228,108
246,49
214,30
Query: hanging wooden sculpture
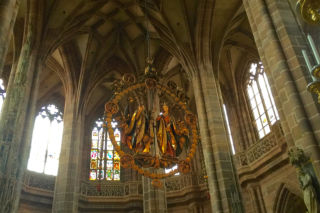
158,131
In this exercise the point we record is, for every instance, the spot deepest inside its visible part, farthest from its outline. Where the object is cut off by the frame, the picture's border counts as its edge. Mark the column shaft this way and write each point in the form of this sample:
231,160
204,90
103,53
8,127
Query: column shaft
67,186
154,199
214,141
279,59
8,14
18,109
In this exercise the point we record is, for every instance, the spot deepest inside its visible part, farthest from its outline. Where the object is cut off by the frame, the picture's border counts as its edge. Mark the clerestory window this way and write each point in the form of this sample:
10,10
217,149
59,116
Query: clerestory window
261,100
2,94
46,141
104,160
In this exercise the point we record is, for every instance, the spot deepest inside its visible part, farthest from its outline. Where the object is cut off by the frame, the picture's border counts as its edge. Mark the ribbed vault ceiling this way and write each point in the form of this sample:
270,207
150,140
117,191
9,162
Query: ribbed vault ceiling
87,44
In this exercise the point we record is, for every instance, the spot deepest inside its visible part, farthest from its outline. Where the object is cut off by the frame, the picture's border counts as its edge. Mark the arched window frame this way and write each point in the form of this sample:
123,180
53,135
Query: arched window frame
46,143
104,160
261,101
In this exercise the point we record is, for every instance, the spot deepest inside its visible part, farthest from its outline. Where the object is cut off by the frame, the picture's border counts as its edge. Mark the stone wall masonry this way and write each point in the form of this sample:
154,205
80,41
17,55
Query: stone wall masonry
67,186
294,119
215,144
16,117
292,41
8,13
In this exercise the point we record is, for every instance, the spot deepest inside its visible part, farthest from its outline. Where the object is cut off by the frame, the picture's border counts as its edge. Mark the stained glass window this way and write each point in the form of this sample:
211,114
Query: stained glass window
2,94
46,141
261,100
104,160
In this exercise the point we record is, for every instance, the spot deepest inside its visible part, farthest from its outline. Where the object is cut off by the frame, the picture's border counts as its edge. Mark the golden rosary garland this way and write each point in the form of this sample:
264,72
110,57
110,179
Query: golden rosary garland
127,160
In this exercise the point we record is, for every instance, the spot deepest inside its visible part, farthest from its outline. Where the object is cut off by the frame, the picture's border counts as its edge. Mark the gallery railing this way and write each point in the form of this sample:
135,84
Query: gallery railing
262,147
114,188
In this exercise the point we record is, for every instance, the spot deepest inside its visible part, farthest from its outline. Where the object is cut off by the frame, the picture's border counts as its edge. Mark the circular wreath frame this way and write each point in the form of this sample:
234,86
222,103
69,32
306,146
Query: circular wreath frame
112,107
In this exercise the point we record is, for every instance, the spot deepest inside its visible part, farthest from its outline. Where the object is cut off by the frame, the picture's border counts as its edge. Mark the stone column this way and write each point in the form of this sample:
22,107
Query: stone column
279,42
67,186
17,117
154,199
214,139
8,14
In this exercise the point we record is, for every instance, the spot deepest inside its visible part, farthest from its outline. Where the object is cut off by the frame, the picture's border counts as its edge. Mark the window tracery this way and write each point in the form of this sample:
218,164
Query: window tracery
261,100
2,94
46,141
104,160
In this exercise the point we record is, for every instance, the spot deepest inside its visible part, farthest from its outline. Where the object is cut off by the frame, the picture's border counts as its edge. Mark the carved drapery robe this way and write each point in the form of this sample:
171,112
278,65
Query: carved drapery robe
138,134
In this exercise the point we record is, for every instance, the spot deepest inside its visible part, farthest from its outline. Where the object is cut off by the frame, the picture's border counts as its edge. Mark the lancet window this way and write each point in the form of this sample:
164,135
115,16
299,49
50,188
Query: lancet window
46,141
2,93
228,128
261,100
104,161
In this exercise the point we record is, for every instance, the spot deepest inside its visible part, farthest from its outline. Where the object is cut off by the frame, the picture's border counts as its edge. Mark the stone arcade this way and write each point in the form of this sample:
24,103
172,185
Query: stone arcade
243,64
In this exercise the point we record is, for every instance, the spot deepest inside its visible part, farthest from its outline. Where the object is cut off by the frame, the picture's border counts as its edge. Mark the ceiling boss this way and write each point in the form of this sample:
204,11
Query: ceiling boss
158,131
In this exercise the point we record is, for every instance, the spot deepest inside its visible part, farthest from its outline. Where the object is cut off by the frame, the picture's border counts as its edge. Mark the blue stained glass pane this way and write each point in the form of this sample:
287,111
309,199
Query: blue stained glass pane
109,154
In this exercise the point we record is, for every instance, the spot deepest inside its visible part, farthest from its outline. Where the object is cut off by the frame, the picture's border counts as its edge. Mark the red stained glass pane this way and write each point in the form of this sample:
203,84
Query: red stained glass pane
117,165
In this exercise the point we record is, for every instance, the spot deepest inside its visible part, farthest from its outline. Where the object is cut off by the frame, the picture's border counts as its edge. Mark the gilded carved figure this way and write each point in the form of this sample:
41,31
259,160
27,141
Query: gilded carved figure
170,139
138,133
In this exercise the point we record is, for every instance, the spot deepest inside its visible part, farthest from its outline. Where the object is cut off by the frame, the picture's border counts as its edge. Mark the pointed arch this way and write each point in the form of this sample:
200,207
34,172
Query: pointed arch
288,201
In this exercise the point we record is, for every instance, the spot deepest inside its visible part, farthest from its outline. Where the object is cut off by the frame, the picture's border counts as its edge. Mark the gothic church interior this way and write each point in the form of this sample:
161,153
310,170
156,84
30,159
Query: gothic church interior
160,106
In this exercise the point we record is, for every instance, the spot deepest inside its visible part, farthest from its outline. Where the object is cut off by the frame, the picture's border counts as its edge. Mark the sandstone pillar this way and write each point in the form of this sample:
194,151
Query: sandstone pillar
279,42
214,139
8,13
67,186
154,199
16,119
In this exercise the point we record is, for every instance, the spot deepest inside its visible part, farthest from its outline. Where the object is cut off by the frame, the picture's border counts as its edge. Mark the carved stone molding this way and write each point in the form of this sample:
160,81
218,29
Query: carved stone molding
40,181
114,188
254,163
178,183
261,148
111,189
